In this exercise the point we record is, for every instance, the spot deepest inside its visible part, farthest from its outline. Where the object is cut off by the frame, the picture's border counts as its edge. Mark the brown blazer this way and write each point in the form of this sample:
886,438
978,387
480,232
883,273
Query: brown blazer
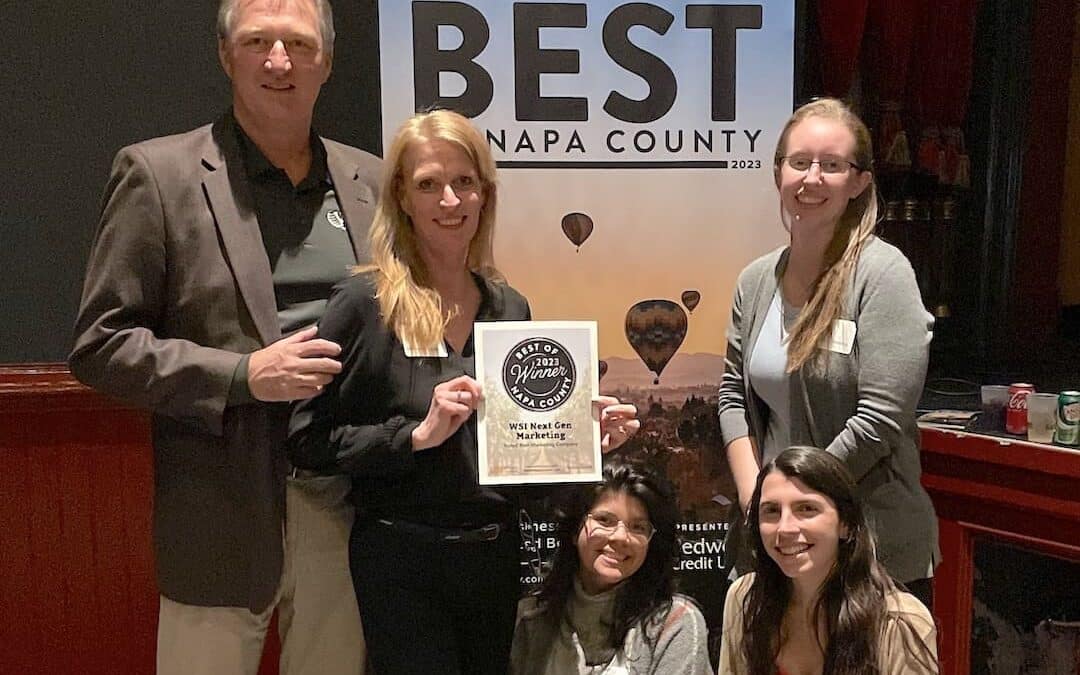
178,288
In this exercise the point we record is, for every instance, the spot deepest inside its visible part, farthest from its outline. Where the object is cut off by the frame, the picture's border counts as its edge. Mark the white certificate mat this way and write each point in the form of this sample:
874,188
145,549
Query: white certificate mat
535,423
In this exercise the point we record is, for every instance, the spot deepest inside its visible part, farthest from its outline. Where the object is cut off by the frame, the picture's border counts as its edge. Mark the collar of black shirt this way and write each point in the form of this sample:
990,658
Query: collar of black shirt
259,168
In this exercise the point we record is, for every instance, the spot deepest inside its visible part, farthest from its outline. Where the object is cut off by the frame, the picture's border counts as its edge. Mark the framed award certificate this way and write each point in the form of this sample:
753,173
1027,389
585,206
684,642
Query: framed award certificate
535,423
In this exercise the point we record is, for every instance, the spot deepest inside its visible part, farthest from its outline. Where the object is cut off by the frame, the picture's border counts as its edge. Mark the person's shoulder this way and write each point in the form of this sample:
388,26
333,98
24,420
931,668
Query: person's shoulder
187,142
741,586
512,295
884,267
684,626
352,310
530,607
348,150
762,265
905,607
174,160
878,254
736,596
511,305
685,609
902,603
360,284
365,162
356,291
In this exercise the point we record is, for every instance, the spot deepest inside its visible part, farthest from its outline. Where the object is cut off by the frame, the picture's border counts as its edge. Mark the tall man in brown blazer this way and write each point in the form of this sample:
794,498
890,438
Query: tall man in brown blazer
211,246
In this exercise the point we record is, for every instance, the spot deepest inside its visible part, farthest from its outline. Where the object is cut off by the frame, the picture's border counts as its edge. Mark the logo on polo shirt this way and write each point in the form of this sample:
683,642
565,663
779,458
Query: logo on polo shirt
539,374
335,219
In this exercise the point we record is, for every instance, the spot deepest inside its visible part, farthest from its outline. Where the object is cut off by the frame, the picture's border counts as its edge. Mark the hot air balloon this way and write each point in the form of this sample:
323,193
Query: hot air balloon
691,299
656,329
577,227
603,368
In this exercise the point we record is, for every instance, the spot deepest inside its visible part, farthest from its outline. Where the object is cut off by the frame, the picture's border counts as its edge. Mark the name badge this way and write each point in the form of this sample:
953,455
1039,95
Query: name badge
415,353
843,336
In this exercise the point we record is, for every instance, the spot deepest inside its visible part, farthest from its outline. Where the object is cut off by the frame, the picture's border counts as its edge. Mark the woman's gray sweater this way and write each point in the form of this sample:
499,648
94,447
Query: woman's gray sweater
861,406
577,644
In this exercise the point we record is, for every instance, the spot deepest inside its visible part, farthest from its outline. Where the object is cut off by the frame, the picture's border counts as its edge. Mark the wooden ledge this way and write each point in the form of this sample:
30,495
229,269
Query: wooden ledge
35,387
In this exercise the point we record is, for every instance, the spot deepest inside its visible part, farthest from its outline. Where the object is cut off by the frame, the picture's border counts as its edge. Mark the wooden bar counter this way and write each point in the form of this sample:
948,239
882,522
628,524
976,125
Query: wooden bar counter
1007,490
76,478
77,588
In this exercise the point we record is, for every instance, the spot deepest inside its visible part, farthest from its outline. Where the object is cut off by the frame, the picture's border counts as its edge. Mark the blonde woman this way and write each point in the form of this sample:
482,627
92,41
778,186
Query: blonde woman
829,340
434,556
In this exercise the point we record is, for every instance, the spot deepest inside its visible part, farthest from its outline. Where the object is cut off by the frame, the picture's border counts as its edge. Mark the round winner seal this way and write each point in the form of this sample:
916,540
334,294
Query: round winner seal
539,374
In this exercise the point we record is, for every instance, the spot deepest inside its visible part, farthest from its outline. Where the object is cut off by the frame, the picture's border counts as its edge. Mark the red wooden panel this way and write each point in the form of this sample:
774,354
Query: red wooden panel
19,641
75,497
77,592
139,618
953,587
47,611
984,487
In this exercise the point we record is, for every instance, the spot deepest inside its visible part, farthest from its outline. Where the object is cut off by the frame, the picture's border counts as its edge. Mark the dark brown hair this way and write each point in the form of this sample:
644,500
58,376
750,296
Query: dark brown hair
645,597
853,597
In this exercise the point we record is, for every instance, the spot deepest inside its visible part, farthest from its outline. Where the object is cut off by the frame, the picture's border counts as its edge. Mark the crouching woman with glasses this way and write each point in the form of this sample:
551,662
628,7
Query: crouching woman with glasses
608,606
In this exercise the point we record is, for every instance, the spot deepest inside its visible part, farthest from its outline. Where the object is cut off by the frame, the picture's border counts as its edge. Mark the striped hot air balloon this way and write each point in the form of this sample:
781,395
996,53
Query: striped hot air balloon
656,329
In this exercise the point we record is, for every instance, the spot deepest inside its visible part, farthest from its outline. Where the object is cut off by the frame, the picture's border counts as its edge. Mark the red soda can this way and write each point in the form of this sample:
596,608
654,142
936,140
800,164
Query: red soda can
1016,414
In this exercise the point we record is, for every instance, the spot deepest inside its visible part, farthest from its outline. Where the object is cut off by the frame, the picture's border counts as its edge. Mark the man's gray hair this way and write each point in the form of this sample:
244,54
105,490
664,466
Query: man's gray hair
326,22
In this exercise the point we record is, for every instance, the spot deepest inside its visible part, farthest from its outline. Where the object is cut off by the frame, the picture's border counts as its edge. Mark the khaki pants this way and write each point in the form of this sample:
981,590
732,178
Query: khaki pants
318,619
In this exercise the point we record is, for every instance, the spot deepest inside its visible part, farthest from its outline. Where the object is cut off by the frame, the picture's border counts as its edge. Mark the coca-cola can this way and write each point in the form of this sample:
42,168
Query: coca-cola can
1016,414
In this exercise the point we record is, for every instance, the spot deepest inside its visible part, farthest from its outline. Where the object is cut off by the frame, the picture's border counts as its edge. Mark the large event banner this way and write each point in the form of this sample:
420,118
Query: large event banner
635,145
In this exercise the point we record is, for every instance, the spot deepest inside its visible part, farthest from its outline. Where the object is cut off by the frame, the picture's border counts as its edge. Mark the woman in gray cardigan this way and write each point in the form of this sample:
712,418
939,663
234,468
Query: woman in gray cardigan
829,340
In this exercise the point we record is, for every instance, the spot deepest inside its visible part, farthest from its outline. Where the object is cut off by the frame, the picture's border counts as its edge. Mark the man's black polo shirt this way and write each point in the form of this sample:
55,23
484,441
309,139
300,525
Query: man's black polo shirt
303,231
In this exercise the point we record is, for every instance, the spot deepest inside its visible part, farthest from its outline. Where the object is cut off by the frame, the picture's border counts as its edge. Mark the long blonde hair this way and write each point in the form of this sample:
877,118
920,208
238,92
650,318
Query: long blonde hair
810,335
409,305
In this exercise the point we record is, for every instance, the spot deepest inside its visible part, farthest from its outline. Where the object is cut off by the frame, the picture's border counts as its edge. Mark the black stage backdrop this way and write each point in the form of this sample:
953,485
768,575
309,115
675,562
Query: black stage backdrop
80,81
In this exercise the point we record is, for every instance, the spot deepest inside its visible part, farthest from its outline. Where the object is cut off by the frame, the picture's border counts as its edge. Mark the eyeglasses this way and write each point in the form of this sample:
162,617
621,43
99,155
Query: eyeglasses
830,165
604,524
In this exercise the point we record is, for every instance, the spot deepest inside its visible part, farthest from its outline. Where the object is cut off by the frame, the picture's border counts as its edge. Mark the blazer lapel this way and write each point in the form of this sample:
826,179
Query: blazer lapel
354,196
238,229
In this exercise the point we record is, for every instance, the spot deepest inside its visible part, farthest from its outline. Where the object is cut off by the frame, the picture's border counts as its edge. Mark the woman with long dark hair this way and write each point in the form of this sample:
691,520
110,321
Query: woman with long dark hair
829,341
819,601
608,605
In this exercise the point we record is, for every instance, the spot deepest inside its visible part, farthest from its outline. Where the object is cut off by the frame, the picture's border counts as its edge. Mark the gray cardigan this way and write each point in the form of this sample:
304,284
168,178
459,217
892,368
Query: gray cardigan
861,408
681,649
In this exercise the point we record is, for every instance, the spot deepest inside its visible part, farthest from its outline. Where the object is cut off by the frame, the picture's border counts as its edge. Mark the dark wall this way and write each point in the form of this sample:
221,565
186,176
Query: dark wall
81,80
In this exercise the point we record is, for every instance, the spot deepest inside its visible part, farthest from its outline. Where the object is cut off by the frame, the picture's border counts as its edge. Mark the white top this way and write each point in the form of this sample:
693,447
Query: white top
769,377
